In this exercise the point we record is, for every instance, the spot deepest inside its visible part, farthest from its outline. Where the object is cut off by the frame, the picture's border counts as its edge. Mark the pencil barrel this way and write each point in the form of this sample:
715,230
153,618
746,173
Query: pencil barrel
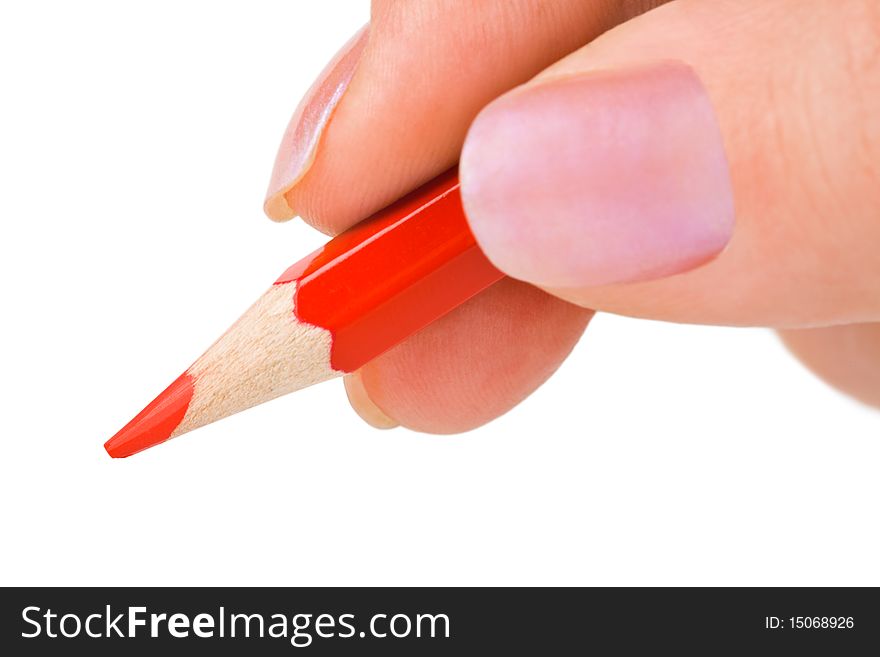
392,274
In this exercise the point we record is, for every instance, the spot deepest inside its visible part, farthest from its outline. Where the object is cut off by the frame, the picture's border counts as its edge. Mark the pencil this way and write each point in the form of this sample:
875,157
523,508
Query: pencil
330,313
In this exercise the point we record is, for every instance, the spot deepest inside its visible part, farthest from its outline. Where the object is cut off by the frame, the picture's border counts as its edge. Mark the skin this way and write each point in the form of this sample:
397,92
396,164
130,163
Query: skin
795,87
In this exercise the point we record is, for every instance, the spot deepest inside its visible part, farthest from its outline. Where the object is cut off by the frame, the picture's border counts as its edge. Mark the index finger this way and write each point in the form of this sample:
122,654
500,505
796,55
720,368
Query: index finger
392,109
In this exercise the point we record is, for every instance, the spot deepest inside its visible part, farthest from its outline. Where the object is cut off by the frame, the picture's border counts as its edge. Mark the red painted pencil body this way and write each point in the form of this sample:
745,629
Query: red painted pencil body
392,274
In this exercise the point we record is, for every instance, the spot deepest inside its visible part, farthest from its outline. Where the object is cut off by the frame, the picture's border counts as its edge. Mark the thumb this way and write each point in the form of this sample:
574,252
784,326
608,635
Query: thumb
705,162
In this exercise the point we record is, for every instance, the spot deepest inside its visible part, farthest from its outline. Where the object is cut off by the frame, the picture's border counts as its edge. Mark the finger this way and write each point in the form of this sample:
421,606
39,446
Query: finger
847,357
391,112
392,109
632,156
360,401
474,364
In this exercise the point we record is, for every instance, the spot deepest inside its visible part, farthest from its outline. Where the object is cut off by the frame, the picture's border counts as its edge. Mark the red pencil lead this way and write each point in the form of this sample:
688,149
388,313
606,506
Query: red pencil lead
155,423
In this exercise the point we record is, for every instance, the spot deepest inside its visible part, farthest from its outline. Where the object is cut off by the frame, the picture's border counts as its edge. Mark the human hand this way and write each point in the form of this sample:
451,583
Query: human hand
703,162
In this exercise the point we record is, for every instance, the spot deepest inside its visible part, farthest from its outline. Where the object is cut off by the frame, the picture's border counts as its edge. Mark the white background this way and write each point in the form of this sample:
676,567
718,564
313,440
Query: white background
136,142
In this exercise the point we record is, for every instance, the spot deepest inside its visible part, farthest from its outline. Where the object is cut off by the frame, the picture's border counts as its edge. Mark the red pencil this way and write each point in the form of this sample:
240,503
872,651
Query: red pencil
328,314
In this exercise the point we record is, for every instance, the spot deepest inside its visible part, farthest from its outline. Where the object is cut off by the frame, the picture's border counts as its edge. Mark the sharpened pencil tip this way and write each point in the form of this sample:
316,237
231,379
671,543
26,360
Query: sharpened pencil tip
156,422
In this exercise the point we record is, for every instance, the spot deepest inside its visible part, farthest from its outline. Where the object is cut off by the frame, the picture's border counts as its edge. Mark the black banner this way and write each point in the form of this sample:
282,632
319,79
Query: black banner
417,621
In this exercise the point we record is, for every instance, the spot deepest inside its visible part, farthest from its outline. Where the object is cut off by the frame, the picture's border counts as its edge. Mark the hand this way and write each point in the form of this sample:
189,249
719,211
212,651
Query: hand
711,162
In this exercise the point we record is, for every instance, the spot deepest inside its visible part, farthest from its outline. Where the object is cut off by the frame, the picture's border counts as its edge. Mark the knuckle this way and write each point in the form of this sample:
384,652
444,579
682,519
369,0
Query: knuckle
862,75
844,104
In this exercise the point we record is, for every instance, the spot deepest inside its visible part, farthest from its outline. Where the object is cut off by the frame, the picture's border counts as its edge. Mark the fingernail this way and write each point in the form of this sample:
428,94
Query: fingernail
362,404
303,134
603,178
